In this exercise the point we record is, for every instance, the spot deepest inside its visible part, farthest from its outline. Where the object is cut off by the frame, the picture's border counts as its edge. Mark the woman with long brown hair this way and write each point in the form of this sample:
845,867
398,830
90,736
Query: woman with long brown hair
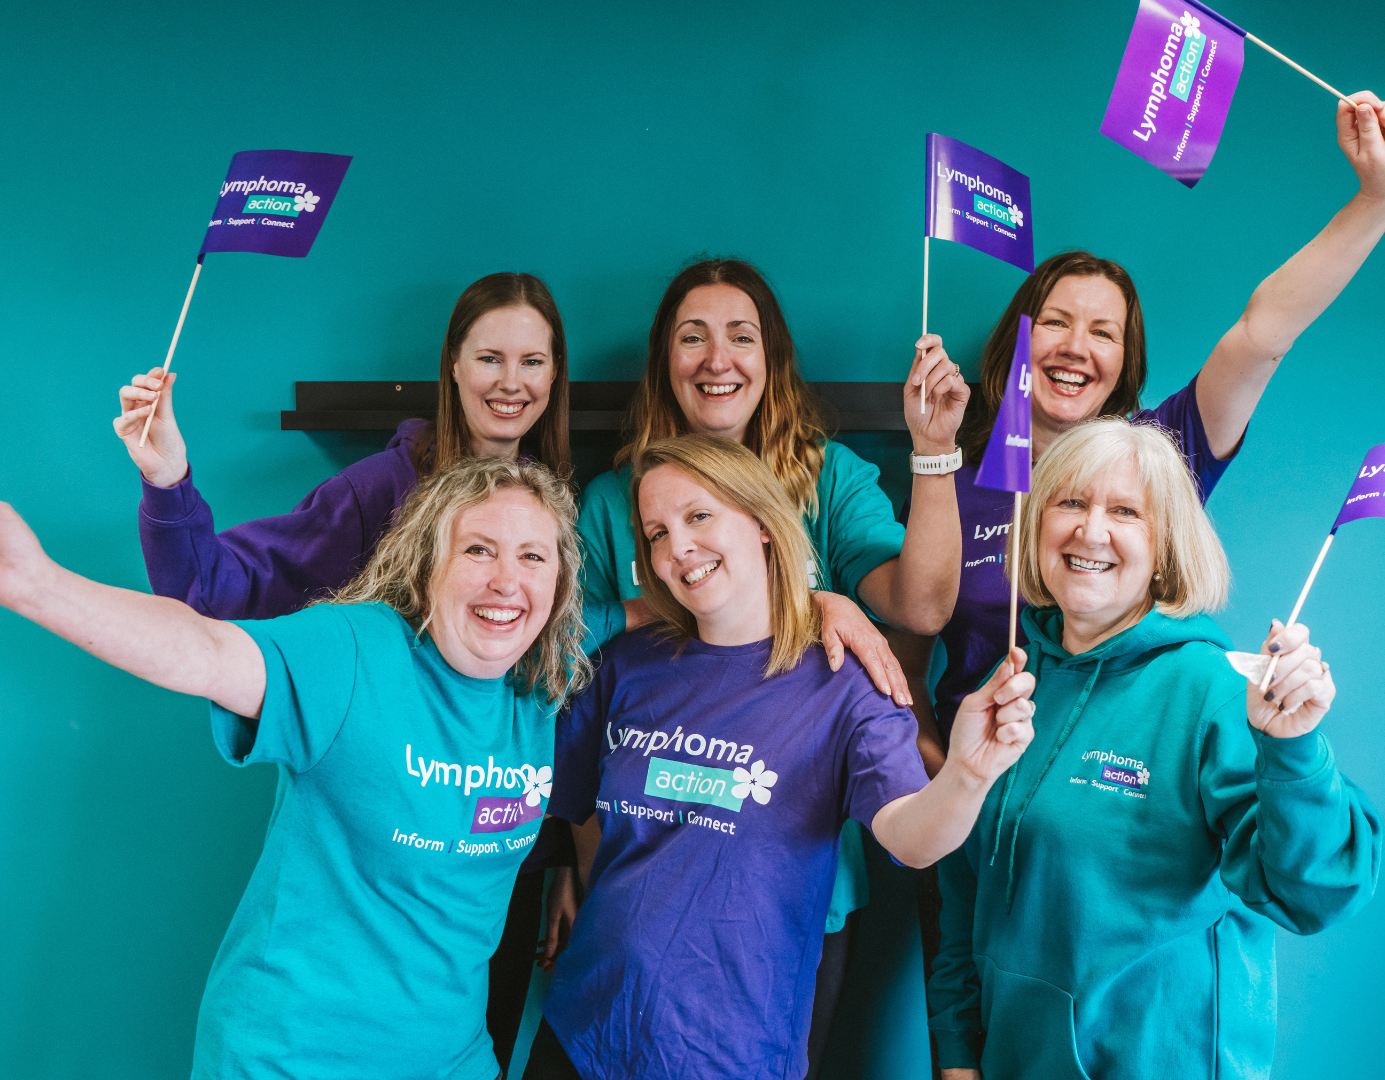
722,362
502,393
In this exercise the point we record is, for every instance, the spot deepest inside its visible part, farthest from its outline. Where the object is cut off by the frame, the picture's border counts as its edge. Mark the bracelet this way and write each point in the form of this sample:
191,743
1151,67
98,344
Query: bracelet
939,465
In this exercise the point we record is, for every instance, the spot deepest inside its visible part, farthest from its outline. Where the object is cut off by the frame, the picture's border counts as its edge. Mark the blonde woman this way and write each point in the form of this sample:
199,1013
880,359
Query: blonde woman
722,362
1113,911
717,756
411,718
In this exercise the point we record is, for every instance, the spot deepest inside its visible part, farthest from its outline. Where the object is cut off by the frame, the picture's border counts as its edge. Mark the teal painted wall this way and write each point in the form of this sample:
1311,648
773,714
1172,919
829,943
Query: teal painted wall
599,146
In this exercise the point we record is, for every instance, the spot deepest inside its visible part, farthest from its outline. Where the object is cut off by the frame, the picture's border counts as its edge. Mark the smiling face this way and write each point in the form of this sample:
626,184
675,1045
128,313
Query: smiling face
1078,351
717,360
504,371
710,555
1096,556
495,593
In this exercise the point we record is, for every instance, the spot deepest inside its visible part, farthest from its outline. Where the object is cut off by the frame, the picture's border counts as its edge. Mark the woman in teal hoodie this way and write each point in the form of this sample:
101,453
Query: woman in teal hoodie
1113,911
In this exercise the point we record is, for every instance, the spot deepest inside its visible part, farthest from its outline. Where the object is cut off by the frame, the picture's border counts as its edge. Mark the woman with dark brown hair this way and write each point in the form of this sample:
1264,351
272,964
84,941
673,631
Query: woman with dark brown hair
502,393
722,362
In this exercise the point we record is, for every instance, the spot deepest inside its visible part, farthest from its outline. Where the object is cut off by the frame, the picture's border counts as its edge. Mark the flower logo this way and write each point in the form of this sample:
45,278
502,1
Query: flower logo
307,201
1143,776
1016,216
755,783
1190,25
538,786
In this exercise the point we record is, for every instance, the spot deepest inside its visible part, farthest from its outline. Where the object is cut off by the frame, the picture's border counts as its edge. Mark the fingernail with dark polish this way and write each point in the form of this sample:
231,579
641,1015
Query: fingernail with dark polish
1281,706
1275,647
1269,695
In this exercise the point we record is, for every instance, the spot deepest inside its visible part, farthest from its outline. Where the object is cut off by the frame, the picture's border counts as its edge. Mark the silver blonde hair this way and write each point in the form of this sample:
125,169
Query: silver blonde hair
412,557
1188,556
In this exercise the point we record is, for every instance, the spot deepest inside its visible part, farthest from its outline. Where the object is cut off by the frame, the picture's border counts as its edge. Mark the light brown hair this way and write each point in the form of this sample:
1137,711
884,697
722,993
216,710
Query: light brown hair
447,439
736,477
1029,299
1188,556
411,559
786,430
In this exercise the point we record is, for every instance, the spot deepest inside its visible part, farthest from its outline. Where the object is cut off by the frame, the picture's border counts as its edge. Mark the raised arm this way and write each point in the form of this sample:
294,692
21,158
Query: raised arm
159,640
992,729
1286,303
918,590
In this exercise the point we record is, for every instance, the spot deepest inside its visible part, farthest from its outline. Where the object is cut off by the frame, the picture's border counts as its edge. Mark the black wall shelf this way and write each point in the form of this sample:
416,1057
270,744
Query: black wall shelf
595,406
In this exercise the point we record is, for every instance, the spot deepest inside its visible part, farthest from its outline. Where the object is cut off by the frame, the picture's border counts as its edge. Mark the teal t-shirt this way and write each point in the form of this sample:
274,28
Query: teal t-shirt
854,532
408,795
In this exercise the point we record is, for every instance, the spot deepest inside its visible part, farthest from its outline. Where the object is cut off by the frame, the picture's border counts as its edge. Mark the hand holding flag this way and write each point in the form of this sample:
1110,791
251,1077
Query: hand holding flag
934,379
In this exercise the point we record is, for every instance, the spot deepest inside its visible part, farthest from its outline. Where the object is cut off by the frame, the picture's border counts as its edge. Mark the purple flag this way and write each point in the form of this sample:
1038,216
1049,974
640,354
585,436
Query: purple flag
1175,86
1367,495
974,199
1008,458
274,201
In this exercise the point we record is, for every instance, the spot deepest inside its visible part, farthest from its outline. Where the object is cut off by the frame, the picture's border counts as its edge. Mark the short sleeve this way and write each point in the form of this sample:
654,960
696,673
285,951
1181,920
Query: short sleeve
605,511
310,674
603,620
1180,415
882,760
577,751
861,529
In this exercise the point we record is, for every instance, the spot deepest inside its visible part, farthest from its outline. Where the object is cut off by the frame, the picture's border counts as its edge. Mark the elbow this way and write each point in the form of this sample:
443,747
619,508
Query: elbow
926,619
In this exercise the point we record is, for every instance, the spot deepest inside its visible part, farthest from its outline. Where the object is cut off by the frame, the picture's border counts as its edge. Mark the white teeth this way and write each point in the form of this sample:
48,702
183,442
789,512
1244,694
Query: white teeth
505,409
1087,566
500,615
701,572
1068,378
717,389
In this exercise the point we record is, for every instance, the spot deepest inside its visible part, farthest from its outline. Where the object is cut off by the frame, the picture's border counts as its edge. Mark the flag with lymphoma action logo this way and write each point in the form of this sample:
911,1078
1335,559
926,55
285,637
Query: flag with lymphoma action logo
976,200
1175,86
1006,465
274,202
1367,495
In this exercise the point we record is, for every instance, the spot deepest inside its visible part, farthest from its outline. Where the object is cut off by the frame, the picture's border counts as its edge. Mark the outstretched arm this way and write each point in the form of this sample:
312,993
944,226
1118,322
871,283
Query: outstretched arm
1286,303
992,729
157,639
918,590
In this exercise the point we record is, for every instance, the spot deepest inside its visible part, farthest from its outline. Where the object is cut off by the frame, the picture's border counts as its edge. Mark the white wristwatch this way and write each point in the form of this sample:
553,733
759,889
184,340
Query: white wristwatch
939,465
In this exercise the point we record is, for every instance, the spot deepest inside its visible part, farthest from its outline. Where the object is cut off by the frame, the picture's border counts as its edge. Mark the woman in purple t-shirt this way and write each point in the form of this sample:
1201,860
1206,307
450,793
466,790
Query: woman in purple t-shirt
502,392
1088,359
711,766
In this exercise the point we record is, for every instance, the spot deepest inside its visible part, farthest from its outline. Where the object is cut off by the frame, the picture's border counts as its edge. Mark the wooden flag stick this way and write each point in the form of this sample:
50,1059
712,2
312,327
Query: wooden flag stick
923,397
168,360
1014,570
1303,71
1274,661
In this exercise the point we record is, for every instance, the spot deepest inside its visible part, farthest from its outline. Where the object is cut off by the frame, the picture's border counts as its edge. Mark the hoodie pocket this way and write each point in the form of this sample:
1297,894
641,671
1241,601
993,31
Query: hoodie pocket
1029,1028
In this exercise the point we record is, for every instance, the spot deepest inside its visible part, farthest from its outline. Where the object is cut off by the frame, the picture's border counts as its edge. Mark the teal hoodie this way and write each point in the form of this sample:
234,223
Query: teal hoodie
1112,913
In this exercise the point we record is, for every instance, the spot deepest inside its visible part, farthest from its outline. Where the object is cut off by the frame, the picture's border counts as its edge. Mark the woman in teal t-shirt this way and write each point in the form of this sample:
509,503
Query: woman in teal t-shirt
411,718
722,362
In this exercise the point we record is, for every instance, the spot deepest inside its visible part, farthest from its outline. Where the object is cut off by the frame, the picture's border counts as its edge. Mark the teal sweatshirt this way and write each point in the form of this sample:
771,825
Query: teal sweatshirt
1112,913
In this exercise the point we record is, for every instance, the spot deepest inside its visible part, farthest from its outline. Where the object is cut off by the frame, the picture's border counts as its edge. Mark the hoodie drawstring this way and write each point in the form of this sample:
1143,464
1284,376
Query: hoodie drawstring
1077,708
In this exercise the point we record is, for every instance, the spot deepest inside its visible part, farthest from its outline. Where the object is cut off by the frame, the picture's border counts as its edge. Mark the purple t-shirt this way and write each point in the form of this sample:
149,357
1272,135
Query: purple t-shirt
720,794
273,566
976,634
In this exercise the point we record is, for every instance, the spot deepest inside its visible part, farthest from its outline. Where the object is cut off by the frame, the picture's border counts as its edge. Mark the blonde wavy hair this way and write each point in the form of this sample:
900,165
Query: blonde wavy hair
1188,556
786,429
409,563
735,476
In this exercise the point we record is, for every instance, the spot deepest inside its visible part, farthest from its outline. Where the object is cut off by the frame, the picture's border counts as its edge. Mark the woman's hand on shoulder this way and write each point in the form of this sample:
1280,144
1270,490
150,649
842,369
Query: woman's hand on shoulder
845,627
163,459
1360,137
937,380
995,725
1301,690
